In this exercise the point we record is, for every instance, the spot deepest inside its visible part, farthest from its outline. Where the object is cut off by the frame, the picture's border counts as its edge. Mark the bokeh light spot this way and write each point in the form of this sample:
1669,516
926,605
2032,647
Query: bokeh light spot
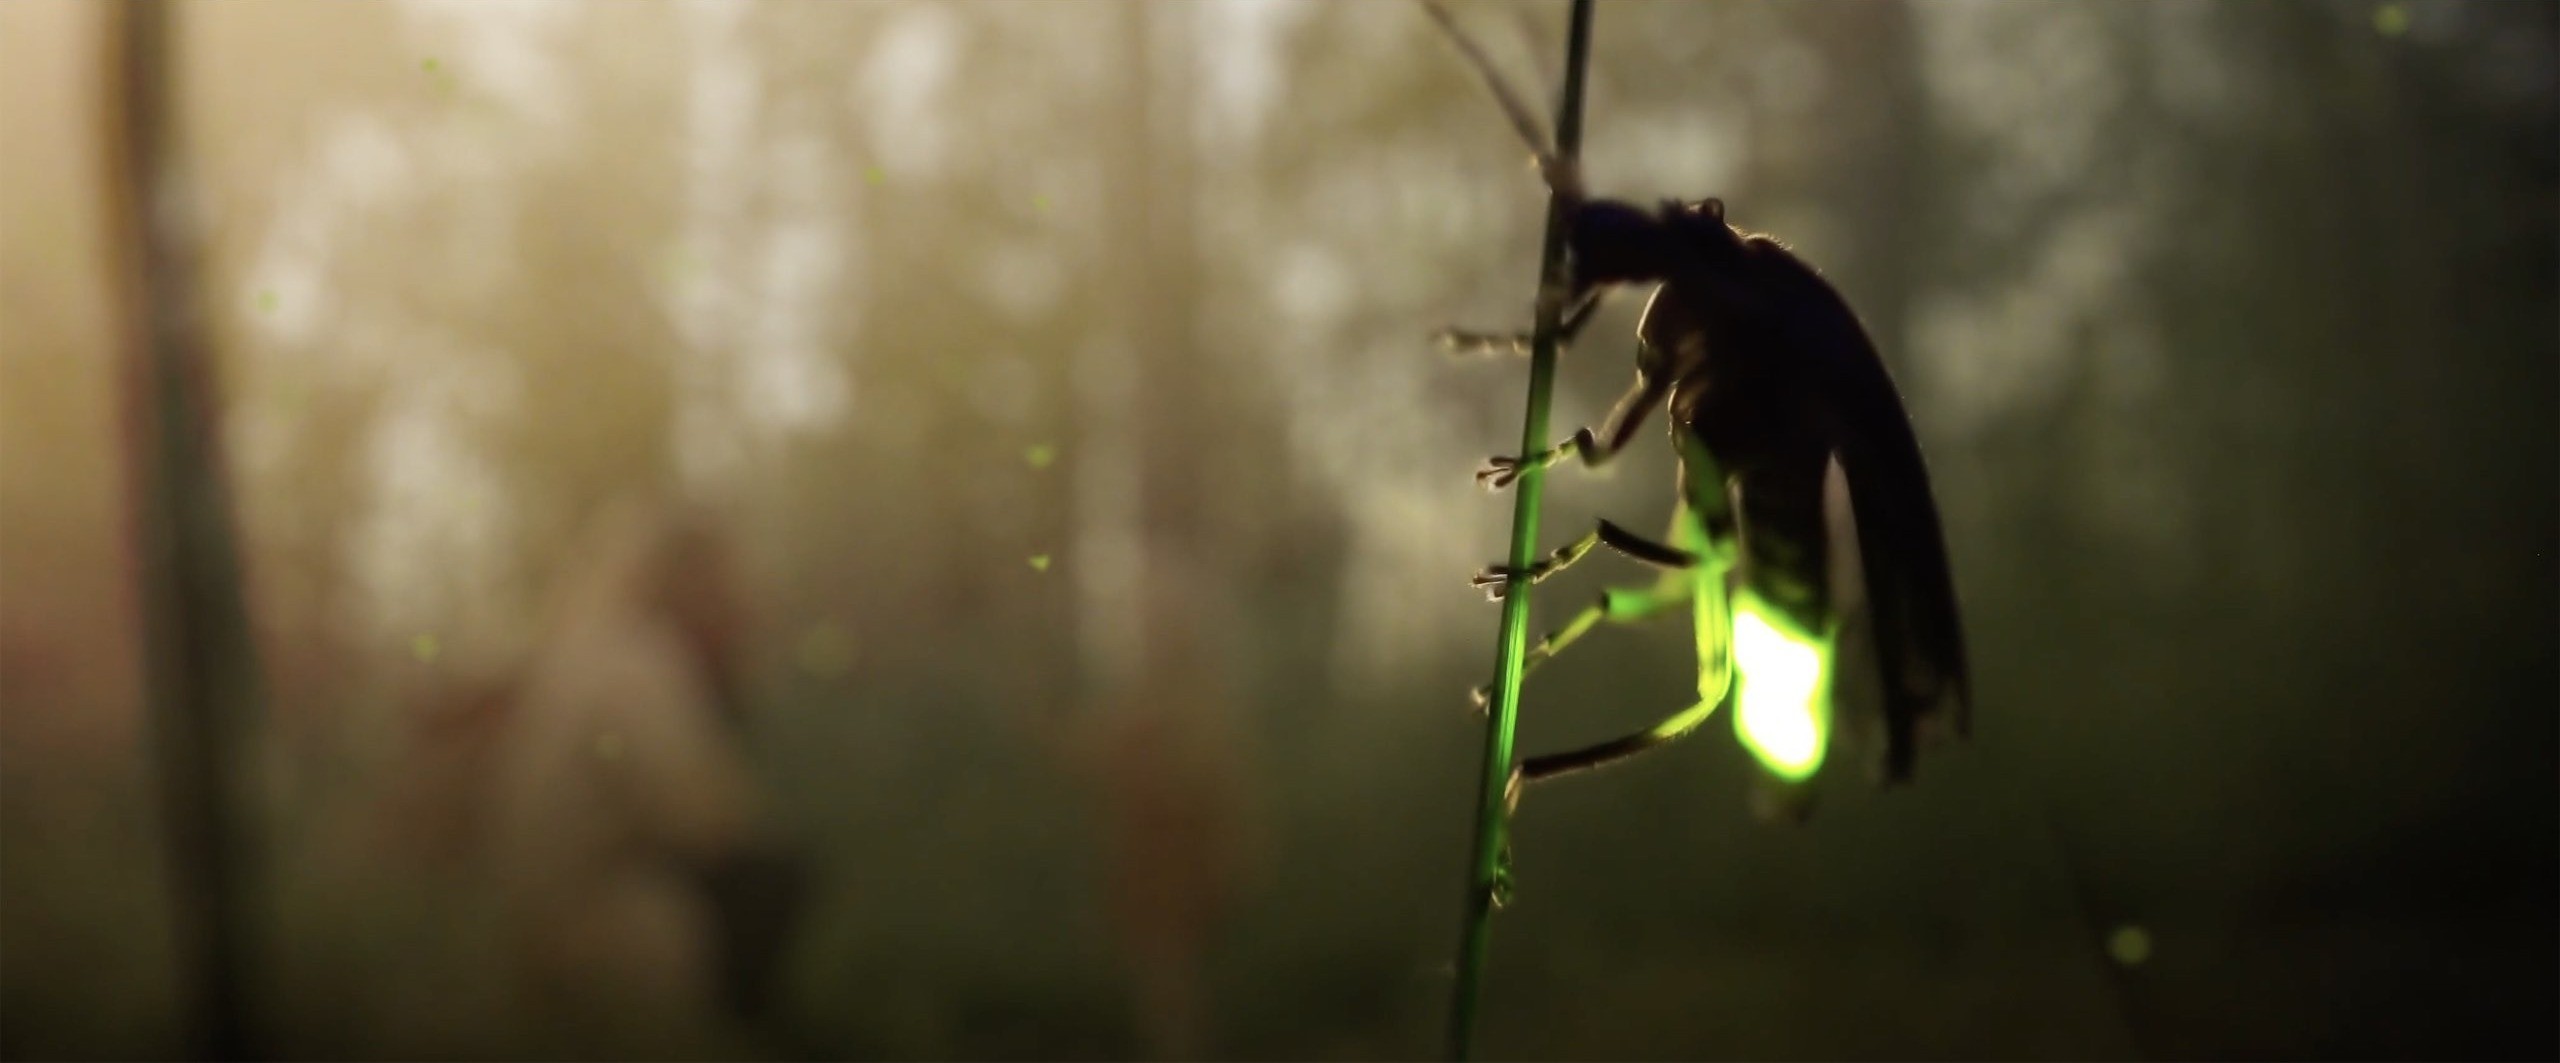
2391,20
2129,945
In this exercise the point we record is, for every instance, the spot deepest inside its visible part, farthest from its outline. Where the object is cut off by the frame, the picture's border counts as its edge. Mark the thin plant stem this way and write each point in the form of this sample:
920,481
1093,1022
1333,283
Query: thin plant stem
199,666
1492,814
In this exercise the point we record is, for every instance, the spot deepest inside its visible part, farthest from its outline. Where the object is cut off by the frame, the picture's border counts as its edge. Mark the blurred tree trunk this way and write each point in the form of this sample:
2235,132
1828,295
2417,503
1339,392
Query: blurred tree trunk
199,658
1163,763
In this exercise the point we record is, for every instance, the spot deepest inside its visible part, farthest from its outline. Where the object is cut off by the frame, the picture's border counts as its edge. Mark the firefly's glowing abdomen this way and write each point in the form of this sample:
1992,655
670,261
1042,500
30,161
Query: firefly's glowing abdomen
1784,711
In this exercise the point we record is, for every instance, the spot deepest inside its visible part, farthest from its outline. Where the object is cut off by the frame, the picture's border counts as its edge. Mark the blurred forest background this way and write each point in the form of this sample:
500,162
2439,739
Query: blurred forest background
1058,375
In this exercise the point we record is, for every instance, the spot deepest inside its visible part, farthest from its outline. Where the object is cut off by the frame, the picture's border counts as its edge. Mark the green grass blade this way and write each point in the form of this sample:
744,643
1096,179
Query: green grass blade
1503,715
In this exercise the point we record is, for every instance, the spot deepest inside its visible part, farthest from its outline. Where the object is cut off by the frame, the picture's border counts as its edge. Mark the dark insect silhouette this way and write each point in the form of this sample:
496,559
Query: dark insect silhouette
1769,379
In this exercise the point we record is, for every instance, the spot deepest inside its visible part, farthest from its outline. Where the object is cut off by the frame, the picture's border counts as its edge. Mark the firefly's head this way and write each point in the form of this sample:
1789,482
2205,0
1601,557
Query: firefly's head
1620,243
1701,226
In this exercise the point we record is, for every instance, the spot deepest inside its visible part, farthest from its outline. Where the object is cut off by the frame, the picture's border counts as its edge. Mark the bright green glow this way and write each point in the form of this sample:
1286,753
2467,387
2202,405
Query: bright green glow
1784,716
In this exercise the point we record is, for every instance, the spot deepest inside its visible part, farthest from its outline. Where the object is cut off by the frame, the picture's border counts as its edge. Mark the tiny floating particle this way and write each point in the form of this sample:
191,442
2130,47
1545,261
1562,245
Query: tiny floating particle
425,647
440,79
2129,945
1040,203
266,300
1039,562
2391,20
875,175
1039,455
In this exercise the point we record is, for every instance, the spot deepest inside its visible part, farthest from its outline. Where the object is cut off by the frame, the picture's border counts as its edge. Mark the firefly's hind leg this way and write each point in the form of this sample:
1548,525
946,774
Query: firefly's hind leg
1711,533
1671,729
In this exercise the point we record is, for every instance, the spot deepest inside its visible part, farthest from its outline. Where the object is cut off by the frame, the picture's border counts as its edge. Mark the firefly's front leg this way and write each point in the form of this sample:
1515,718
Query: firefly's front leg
1467,341
1594,448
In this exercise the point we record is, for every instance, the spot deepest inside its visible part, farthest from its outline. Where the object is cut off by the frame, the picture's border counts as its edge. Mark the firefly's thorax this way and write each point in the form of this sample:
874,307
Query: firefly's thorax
1686,248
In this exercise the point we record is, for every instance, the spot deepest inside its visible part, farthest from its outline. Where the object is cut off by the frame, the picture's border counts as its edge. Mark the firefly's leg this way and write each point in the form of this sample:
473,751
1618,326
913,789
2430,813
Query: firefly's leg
1595,448
1710,532
1705,582
1617,605
1671,729
1467,341
1497,579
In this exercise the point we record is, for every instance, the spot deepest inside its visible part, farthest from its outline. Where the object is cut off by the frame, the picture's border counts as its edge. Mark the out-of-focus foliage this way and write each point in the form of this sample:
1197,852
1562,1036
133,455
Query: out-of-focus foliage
2229,329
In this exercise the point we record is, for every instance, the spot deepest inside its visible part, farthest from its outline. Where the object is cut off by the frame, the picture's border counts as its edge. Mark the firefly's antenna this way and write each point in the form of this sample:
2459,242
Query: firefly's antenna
1562,175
